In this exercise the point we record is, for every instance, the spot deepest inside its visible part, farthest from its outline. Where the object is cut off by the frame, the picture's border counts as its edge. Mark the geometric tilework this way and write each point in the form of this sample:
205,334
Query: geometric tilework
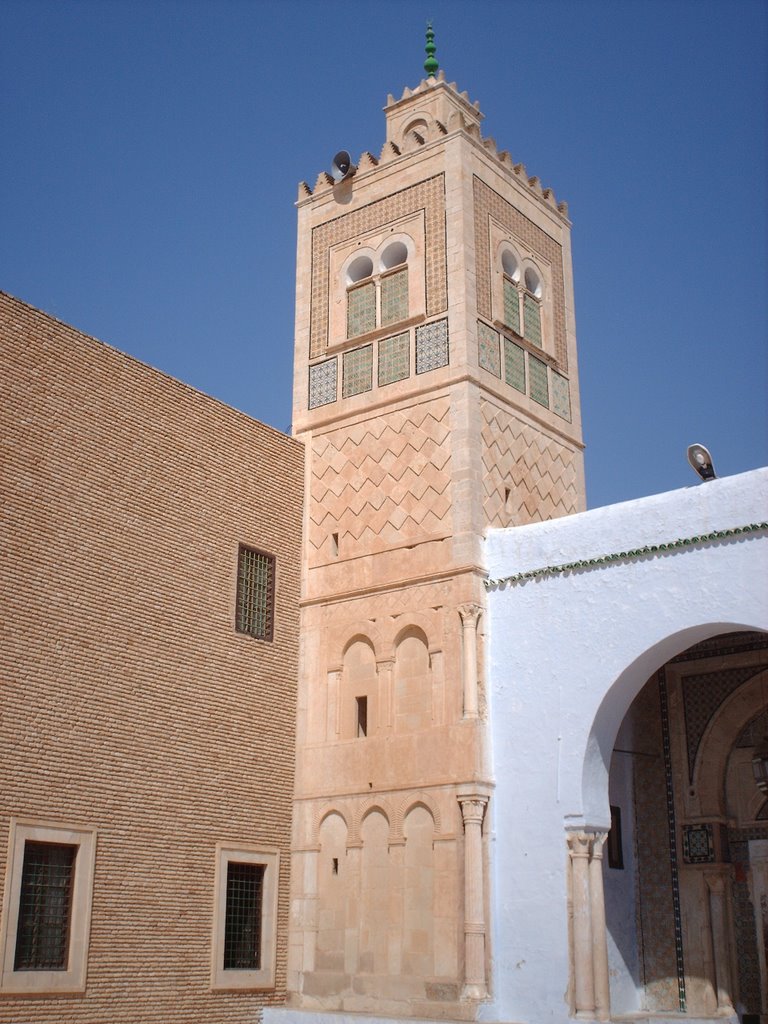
489,206
753,731
511,306
561,397
488,348
656,903
539,472
322,383
394,359
358,371
537,381
394,297
431,346
672,832
383,482
698,844
361,309
702,696
531,319
514,365
427,197
743,910
725,643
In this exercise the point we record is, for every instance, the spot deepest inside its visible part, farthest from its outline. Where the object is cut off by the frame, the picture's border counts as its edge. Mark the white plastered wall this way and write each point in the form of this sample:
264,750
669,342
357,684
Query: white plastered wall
567,655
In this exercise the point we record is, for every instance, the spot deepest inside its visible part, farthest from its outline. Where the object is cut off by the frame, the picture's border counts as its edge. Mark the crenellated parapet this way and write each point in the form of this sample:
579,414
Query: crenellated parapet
428,113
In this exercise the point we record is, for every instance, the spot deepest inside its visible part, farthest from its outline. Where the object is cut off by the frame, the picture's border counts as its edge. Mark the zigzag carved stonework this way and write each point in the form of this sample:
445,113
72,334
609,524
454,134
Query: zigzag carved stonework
428,196
538,471
490,204
381,483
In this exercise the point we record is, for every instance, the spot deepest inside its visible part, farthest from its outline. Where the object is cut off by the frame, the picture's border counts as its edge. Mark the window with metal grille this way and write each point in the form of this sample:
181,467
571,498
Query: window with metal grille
511,305
394,297
361,309
242,926
255,593
532,319
45,907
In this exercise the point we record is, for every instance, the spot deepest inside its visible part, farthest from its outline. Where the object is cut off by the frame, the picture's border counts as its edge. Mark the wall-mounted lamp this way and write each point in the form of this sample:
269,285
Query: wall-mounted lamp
701,460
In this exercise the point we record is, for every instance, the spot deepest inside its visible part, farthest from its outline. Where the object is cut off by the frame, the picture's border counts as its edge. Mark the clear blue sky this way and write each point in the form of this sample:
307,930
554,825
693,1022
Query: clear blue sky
151,152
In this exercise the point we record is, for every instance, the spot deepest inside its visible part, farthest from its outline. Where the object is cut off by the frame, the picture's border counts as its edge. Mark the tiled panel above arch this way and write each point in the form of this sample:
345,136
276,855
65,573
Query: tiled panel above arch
528,477
427,197
381,483
489,204
703,694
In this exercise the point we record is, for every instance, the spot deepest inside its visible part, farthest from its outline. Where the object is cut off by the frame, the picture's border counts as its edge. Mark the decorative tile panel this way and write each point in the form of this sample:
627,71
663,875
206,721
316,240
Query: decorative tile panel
538,388
540,472
358,371
394,359
561,395
657,906
753,731
672,833
361,309
488,353
511,305
745,932
531,319
489,204
432,346
322,383
514,365
698,844
382,482
426,196
702,696
394,297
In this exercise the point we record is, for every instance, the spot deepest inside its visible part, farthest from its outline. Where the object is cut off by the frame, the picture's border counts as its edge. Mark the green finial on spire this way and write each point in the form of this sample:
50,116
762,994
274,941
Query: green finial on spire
430,64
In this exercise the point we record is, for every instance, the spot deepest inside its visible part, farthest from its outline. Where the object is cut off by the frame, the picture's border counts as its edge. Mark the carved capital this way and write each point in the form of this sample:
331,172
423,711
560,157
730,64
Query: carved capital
579,844
469,613
473,808
598,842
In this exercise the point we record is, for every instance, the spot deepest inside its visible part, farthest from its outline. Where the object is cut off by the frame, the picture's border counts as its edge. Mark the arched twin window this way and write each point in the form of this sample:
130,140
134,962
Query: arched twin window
522,298
377,289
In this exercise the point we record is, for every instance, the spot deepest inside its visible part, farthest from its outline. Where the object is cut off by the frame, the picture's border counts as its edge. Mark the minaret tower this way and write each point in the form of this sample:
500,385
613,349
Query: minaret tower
436,393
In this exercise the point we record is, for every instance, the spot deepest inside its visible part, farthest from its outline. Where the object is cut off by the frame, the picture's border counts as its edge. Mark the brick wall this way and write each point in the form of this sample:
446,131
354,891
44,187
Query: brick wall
128,702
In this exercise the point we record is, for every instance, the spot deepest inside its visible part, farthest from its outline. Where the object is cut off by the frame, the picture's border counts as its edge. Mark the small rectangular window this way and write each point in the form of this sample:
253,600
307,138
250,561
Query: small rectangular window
615,852
361,309
255,593
511,305
242,928
362,716
45,906
394,297
245,918
46,916
532,319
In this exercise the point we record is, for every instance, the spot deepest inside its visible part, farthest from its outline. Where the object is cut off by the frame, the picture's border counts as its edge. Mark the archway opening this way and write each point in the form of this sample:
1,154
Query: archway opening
685,870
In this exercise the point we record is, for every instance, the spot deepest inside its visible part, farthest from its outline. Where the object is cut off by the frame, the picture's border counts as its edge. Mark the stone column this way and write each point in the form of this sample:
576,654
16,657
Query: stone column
599,939
470,613
385,696
473,806
582,955
719,925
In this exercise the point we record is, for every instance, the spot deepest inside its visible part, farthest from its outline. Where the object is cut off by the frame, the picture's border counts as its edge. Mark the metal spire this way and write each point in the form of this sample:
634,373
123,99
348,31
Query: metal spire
430,64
